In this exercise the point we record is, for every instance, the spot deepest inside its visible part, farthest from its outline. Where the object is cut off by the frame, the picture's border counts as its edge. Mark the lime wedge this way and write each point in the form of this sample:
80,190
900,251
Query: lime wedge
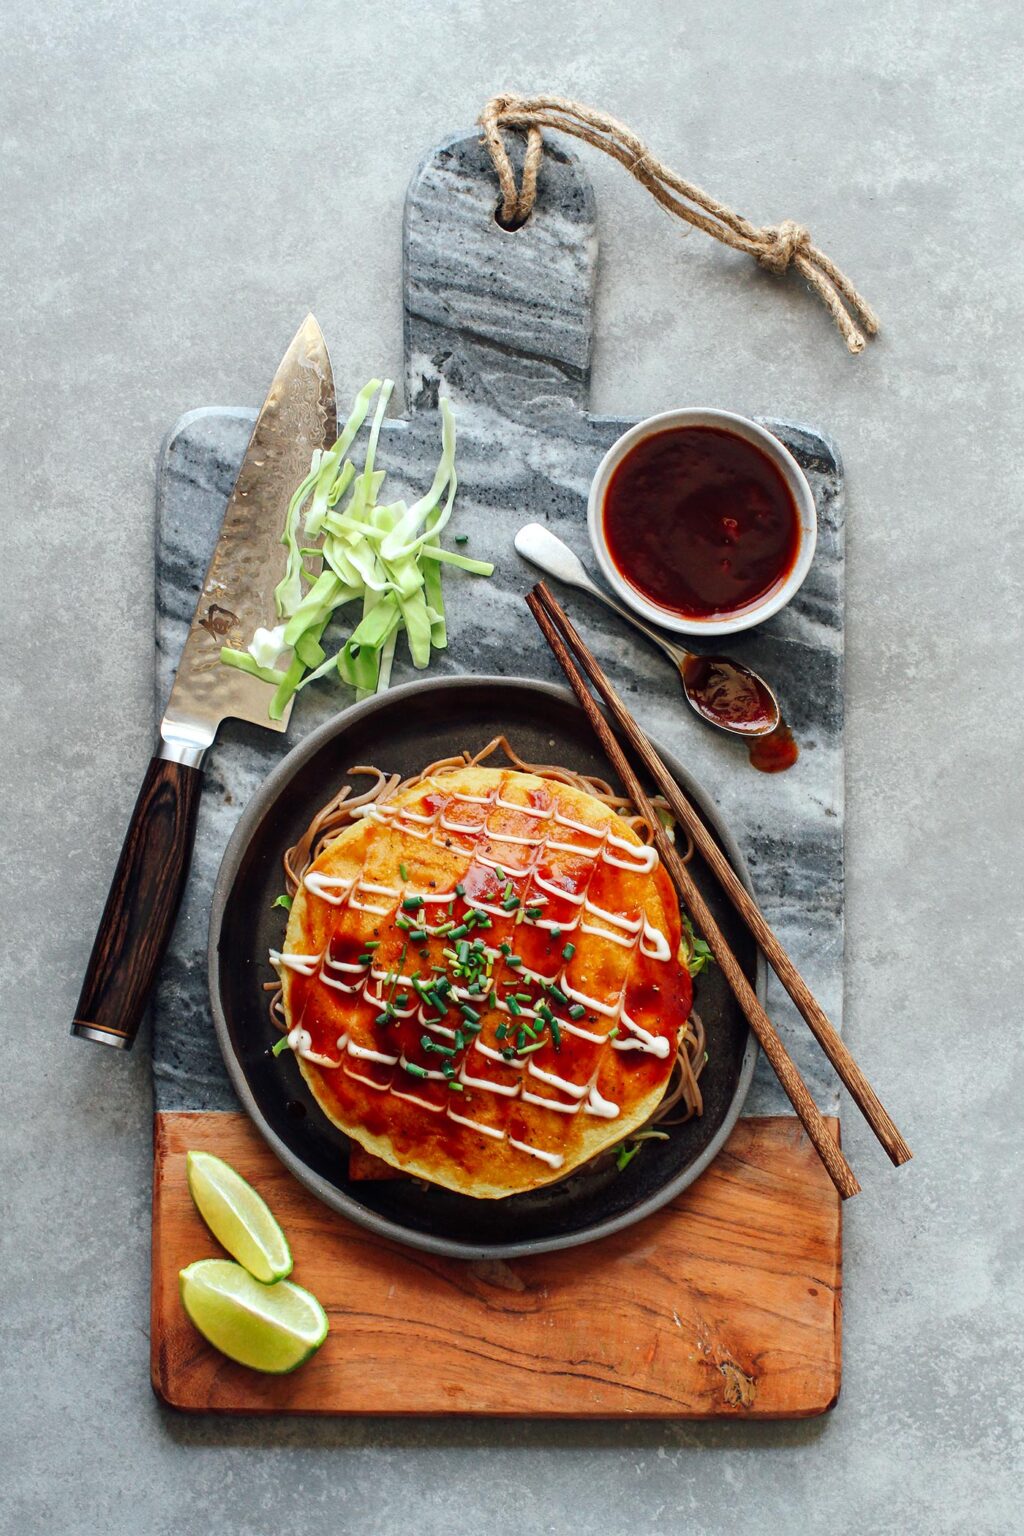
238,1218
269,1327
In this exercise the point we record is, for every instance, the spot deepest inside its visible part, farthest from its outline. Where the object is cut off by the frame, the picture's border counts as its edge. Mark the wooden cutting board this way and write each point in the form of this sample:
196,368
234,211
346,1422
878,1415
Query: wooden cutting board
727,1302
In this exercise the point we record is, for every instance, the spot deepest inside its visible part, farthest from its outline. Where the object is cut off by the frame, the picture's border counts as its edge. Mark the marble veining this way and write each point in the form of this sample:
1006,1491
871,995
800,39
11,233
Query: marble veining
503,321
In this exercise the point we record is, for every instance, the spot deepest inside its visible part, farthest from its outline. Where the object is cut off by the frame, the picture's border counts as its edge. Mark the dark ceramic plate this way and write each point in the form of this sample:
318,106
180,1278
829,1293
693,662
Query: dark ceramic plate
403,730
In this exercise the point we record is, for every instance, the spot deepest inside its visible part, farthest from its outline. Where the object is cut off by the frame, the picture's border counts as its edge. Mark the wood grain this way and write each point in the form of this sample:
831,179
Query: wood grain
726,1304
142,903
819,1023
542,605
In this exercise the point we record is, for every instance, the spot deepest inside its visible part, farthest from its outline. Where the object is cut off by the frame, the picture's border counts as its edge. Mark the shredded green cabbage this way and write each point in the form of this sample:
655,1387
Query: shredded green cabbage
388,556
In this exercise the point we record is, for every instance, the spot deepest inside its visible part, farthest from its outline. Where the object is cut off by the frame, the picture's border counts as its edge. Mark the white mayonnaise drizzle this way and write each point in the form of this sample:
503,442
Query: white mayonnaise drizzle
475,1125
645,854
359,1078
628,924
608,1010
428,1071
574,1090
576,898
305,964
581,853
364,1053
414,1098
503,865
604,1108
524,810
607,847
493,1055
560,1109
330,888
482,1083
553,1159
581,826
468,827
654,944
300,1041
654,1045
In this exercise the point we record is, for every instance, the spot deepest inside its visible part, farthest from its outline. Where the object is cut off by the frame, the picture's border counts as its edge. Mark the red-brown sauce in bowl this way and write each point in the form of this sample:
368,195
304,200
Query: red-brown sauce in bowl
701,522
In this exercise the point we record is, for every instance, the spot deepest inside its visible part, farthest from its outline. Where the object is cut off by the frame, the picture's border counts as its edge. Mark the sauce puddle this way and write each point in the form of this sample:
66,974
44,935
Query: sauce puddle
776,752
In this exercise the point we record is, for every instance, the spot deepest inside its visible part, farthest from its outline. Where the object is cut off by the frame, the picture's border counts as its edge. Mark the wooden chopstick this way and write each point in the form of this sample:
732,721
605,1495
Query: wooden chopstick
821,1027
827,1148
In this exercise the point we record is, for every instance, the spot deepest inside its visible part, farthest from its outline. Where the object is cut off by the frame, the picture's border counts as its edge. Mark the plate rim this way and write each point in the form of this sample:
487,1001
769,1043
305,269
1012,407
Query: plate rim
335,1199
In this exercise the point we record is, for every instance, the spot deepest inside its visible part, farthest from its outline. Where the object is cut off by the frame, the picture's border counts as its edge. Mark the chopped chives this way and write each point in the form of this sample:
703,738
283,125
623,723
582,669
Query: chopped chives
448,1068
455,1087
364,959
411,903
522,997
469,1013
279,1046
613,1032
506,949
556,1034
534,911
508,1053
444,928
403,923
462,538
568,951
577,1011
460,889
460,932
513,1006
417,935
514,960
557,993
432,1047
403,871
510,903
413,1069
383,1018
372,944
500,1032
459,1040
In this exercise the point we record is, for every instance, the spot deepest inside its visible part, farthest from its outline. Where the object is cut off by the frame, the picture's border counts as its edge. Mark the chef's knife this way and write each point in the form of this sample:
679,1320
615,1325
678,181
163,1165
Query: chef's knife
237,597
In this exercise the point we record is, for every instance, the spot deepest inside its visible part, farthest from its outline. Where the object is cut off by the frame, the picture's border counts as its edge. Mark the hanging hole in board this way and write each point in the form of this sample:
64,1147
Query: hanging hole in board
511,225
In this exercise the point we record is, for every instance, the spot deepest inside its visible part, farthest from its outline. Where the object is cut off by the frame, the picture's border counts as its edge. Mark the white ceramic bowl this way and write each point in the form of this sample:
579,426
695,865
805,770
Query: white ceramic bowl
740,426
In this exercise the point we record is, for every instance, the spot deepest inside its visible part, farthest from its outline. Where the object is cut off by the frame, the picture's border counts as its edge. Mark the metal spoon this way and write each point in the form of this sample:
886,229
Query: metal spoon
723,692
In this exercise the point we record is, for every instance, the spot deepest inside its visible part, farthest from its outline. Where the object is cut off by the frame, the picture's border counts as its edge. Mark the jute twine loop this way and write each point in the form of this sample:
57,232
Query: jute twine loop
774,246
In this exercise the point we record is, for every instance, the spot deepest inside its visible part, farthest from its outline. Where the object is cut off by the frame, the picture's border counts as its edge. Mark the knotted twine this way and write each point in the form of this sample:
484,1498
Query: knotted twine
774,246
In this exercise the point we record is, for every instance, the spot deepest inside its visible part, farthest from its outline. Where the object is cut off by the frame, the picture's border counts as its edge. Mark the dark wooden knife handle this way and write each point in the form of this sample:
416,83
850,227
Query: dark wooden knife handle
142,904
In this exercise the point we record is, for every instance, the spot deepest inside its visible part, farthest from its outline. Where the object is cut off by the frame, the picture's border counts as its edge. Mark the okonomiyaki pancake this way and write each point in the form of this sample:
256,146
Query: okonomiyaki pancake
482,979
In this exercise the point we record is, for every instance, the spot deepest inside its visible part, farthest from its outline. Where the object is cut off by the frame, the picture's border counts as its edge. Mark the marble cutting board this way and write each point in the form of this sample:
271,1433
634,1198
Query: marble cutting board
503,323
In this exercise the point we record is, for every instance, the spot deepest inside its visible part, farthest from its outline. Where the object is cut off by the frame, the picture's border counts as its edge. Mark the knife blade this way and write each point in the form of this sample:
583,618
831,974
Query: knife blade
298,416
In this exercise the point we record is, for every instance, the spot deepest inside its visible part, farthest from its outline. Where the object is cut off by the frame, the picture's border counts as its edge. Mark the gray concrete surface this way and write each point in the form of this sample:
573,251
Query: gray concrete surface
178,181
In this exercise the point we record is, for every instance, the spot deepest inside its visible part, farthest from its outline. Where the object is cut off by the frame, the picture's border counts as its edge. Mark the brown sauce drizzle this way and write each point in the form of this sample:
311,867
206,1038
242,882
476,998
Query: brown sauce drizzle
776,752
